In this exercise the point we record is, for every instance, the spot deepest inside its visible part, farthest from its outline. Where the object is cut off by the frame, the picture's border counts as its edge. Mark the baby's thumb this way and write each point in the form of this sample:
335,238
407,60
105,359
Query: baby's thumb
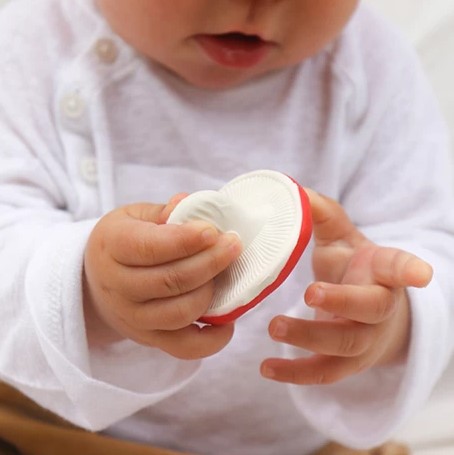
168,208
154,213
331,223
151,213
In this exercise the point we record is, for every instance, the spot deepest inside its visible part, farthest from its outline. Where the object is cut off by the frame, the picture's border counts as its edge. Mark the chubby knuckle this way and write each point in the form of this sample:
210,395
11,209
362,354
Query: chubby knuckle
323,379
343,303
172,282
395,270
401,259
295,375
182,242
396,263
383,308
350,343
145,249
330,376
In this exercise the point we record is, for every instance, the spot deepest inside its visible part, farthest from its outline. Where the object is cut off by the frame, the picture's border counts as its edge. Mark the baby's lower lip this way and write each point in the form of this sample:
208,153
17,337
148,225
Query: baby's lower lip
234,49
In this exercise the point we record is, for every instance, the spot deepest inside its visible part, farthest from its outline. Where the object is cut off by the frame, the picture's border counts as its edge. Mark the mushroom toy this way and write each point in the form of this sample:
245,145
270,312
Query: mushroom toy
270,213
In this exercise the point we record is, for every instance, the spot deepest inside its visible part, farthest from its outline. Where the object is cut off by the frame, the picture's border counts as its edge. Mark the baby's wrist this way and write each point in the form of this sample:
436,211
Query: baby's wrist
98,332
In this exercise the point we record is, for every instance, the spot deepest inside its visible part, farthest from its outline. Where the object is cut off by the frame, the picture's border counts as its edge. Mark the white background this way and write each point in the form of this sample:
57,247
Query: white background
429,25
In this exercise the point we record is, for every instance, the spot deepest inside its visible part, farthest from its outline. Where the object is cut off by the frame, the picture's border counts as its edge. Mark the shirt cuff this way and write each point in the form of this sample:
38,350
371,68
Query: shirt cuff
98,387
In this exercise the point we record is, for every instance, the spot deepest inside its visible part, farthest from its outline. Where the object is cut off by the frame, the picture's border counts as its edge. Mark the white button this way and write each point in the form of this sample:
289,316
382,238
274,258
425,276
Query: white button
89,170
73,106
106,50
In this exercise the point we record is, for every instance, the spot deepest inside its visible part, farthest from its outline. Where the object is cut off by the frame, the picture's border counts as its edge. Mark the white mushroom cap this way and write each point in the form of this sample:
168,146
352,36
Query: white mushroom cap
270,213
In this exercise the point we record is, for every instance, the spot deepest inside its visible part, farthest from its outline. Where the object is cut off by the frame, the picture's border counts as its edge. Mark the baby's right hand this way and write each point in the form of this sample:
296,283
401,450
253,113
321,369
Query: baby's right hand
149,281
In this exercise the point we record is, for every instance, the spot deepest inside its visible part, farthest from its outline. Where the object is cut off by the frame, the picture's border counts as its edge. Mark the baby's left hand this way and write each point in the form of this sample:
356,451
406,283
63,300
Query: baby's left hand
363,315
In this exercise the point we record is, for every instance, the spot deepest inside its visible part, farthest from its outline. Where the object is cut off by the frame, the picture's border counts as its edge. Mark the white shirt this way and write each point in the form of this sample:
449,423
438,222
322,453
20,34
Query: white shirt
86,125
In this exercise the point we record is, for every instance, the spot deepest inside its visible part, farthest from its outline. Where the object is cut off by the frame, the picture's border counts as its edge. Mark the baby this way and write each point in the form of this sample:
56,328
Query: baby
109,108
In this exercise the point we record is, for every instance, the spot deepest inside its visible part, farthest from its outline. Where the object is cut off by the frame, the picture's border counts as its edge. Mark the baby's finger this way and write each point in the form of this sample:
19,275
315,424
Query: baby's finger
189,343
395,268
168,209
150,213
315,370
370,304
174,313
330,222
142,284
338,337
146,244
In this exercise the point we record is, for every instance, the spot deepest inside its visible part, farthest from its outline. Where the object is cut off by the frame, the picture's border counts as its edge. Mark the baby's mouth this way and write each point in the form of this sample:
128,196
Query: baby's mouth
237,40
234,49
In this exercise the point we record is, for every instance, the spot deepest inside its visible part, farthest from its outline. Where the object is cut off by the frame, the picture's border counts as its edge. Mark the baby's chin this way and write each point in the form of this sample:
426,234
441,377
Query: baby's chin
219,79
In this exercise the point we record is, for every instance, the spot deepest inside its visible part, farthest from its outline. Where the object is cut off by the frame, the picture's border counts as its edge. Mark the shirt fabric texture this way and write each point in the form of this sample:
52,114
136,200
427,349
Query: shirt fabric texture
87,124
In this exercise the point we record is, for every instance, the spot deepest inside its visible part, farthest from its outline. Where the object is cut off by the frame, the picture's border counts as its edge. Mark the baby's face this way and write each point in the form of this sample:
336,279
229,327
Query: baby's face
221,43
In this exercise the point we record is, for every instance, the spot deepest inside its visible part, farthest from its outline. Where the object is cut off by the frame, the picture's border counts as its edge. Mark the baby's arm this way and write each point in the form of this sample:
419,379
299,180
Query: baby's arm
149,281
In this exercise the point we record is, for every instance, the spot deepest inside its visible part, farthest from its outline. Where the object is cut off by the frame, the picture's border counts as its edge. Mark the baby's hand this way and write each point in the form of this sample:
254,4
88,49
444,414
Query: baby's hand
149,281
363,315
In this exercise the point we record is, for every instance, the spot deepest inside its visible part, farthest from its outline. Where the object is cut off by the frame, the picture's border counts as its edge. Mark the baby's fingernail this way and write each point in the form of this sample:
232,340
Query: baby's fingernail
316,298
420,271
209,235
232,242
280,329
268,372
